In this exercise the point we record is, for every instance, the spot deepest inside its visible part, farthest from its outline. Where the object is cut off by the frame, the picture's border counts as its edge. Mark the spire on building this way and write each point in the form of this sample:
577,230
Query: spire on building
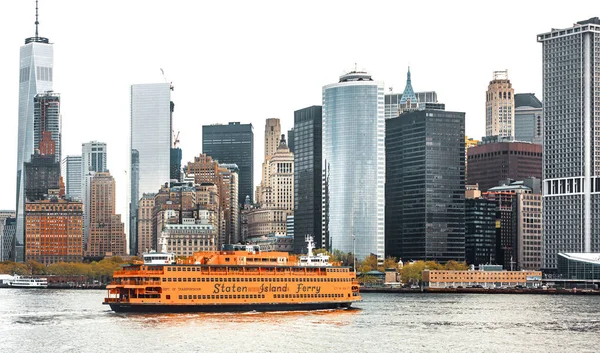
409,93
37,38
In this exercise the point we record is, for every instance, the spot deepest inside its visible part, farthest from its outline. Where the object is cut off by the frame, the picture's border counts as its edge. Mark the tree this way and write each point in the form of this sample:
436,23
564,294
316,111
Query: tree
368,264
413,272
456,266
36,268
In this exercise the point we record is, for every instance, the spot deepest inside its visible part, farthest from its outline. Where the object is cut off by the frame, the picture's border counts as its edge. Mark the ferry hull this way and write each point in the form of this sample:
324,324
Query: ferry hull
219,308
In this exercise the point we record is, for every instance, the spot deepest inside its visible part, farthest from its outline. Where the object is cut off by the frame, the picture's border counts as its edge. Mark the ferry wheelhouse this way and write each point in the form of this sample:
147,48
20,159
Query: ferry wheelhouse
238,278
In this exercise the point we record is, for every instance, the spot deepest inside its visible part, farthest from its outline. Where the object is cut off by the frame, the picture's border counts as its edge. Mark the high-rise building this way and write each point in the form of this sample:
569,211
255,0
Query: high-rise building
425,186
290,140
233,144
469,142
150,141
175,171
53,231
571,58
46,117
528,216
8,236
425,99
528,118
35,77
480,229
489,163
308,172
42,175
70,170
144,228
354,157
5,237
93,160
500,107
272,135
107,232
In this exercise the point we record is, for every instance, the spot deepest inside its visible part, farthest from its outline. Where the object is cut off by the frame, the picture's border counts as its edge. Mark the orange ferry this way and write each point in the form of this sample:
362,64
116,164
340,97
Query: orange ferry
238,278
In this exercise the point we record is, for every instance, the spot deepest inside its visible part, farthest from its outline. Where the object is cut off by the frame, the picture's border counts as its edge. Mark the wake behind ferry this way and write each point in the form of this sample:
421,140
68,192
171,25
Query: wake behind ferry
238,278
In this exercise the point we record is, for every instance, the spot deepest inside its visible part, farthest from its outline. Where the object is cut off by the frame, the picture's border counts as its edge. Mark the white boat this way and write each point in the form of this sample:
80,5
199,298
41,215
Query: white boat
28,282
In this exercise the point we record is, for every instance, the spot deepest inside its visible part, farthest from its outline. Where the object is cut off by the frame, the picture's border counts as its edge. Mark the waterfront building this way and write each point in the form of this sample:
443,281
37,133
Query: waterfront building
500,107
354,160
528,223
6,217
46,117
233,144
308,174
70,170
107,231
53,231
489,163
36,61
144,227
425,186
485,279
150,141
584,266
571,57
529,114
480,229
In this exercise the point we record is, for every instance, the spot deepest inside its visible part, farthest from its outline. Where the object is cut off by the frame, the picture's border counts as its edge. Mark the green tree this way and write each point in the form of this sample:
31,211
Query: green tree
36,268
456,266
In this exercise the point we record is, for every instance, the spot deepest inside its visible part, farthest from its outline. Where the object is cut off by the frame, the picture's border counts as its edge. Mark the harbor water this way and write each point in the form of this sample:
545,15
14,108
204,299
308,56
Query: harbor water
75,321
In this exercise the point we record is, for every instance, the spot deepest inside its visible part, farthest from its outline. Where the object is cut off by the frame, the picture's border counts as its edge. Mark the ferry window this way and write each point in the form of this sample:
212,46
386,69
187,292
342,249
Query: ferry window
178,269
204,297
195,296
179,279
169,279
164,279
168,296
212,297
184,279
226,259
180,297
185,297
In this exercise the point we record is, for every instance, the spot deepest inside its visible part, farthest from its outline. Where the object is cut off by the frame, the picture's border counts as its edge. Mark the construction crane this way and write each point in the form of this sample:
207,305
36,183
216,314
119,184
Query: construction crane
175,139
167,81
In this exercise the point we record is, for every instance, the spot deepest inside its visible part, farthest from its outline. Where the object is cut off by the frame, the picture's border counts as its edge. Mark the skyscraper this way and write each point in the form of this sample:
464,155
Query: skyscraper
46,117
528,118
150,141
500,107
354,157
35,77
425,186
272,135
291,139
175,171
480,229
571,58
6,217
70,170
308,170
233,143
93,160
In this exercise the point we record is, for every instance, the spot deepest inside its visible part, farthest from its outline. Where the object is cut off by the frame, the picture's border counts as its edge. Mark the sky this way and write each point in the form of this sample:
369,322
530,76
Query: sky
248,61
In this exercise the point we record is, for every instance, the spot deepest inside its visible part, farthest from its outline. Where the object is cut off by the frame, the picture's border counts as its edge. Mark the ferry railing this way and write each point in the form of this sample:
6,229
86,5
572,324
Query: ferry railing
138,273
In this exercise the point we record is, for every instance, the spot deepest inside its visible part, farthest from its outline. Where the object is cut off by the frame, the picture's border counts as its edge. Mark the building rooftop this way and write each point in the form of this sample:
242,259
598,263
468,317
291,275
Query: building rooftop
527,100
593,258
356,76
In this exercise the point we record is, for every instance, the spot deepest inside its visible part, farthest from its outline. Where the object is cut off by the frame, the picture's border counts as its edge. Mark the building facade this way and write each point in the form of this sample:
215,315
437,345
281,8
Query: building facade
425,186
529,118
308,172
233,144
571,59
150,141
186,238
46,117
500,106
490,163
528,214
107,231
70,170
354,159
42,174
480,231
54,230
144,228
36,62
6,217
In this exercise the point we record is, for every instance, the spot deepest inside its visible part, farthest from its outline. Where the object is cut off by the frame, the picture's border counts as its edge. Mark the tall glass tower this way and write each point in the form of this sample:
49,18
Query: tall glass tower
571,169
150,140
35,77
354,157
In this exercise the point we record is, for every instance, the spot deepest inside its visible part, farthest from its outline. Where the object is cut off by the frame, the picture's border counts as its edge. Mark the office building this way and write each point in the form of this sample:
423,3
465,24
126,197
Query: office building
70,170
36,61
107,232
528,223
500,107
6,235
144,227
290,139
46,117
53,231
190,236
93,157
150,141
175,172
392,102
354,158
489,163
571,57
480,229
42,177
233,144
308,174
272,135
529,115
425,186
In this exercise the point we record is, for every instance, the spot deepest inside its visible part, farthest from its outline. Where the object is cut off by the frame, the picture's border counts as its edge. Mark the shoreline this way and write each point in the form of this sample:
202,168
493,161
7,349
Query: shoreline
481,291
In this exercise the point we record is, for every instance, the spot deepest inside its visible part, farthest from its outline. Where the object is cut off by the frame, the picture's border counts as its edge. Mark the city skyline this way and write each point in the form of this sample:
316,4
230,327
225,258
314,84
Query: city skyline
140,61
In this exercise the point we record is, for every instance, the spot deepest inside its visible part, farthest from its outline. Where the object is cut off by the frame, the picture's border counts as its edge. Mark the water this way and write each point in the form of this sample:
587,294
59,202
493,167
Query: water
75,321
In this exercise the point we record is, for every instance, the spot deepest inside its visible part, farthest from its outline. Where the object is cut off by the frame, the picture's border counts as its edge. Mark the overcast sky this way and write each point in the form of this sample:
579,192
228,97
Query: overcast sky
252,60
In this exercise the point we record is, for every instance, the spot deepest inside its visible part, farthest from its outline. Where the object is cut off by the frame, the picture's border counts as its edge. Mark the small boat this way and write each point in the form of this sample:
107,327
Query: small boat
28,282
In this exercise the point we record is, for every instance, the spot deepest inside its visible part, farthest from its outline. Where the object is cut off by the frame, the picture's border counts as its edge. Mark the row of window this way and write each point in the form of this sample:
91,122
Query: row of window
296,296
235,279
223,296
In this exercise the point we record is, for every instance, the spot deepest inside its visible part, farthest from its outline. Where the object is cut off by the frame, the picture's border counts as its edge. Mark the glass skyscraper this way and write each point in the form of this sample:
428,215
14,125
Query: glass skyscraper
354,157
233,143
35,77
70,170
150,140
571,174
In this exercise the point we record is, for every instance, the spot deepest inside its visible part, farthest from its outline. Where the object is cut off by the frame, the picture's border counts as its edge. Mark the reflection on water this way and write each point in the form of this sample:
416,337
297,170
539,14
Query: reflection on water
75,321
